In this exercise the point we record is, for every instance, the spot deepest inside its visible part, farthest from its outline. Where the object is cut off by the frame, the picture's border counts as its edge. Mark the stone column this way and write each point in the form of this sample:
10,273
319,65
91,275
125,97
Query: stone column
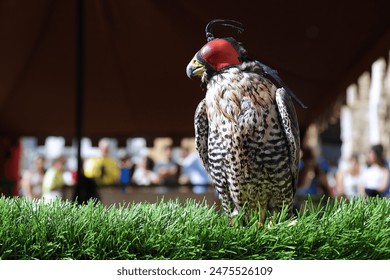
377,104
365,118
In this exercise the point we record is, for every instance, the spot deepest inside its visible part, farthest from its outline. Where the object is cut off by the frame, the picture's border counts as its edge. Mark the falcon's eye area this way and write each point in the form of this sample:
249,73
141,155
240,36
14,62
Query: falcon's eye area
219,53
207,51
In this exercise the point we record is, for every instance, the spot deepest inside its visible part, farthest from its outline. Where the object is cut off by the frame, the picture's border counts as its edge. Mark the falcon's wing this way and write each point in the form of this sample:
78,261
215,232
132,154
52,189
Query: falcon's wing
289,122
201,133
272,74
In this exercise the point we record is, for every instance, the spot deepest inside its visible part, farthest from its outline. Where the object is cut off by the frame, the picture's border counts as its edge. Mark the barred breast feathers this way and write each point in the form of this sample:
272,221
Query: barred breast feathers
231,91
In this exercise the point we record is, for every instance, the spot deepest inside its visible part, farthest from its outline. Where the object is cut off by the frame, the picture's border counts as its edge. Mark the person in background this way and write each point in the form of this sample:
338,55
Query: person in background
192,168
348,180
312,179
53,182
126,171
167,169
31,182
104,169
375,177
144,174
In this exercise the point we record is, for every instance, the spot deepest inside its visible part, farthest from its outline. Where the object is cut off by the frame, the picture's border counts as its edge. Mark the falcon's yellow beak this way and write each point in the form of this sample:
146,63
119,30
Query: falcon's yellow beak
195,68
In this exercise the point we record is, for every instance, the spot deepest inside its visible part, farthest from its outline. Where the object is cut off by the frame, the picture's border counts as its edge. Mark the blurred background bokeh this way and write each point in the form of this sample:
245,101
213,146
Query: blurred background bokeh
75,72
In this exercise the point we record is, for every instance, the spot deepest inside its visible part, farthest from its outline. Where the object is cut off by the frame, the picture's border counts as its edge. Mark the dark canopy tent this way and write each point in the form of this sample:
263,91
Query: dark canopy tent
135,54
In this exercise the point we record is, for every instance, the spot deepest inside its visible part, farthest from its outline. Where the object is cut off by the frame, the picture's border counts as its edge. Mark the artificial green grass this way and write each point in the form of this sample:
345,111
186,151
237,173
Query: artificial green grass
358,229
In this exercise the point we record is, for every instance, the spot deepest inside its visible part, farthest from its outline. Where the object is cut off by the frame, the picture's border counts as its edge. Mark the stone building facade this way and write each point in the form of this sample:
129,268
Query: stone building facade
365,118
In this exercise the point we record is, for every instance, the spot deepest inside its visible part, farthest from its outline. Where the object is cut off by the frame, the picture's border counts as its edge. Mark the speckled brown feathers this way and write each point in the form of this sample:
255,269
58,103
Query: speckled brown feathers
247,137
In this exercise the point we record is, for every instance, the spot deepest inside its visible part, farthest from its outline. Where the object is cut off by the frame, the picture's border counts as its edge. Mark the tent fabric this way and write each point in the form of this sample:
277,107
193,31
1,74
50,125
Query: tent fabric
136,53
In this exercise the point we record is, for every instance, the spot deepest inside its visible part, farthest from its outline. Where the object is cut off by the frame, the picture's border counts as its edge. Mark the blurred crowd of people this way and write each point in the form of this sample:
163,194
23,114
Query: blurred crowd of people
104,170
315,178
356,178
